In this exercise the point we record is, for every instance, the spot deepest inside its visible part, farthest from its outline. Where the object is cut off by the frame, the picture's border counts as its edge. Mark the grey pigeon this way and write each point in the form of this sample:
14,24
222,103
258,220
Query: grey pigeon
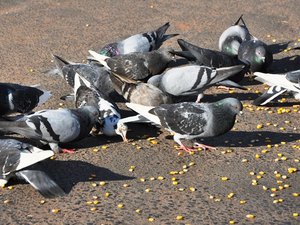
192,79
16,158
54,126
211,58
279,83
19,98
256,54
231,39
137,65
139,92
95,73
189,120
144,42
109,113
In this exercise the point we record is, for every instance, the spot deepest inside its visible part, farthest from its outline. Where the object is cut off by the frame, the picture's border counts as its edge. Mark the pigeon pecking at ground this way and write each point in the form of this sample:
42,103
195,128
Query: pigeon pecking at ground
192,79
255,53
137,65
16,158
231,39
22,99
279,83
139,92
109,113
54,126
144,42
189,120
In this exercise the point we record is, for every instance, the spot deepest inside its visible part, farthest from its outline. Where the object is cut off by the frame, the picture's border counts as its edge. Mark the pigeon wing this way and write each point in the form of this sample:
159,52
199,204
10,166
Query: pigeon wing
41,182
182,118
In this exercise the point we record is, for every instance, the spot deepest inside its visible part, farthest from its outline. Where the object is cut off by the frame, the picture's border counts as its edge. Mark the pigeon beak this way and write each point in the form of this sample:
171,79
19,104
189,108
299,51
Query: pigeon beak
123,135
263,59
240,113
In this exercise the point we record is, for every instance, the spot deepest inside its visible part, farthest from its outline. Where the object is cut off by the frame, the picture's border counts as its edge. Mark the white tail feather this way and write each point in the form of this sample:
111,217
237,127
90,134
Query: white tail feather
100,58
276,80
144,111
28,159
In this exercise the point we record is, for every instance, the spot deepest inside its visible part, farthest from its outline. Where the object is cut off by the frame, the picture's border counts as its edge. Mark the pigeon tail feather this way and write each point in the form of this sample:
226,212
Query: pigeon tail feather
100,58
144,111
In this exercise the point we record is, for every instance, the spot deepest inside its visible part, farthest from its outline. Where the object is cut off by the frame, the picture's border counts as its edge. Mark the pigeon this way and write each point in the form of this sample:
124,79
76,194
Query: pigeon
279,83
272,93
95,73
191,79
109,113
211,58
188,120
256,54
137,65
16,157
15,98
54,126
232,37
145,42
139,92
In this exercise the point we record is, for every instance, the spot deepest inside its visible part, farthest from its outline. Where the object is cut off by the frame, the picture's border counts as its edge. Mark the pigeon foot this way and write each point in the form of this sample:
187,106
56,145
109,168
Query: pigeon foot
198,145
70,151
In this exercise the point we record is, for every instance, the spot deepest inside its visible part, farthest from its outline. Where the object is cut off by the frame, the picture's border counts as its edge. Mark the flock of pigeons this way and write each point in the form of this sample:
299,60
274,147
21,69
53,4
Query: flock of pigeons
135,68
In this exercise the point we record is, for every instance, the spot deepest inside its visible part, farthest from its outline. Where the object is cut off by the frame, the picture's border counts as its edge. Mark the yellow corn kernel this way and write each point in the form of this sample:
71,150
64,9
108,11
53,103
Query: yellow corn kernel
120,206
179,217
55,210
151,219
250,216
295,214
224,178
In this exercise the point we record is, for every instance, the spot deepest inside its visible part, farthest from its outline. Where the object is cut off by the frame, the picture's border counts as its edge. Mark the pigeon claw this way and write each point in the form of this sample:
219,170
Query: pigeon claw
204,147
70,151
187,149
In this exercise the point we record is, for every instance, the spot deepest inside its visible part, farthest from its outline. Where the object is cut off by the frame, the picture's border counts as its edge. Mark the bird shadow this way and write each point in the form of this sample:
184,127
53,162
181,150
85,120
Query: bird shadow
250,138
285,64
68,173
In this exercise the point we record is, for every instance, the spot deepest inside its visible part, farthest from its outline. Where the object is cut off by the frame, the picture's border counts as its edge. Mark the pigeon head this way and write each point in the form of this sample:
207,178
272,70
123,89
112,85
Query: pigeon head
122,130
260,54
232,105
110,50
168,54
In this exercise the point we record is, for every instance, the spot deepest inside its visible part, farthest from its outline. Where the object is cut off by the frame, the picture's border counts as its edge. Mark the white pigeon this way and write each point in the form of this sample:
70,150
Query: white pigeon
280,83
16,158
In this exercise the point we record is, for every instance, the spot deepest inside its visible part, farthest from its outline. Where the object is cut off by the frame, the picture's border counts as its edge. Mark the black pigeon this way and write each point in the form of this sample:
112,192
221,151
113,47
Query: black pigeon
22,99
211,58
145,42
139,92
231,39
54,126
189,120
137,66
256,54
16,158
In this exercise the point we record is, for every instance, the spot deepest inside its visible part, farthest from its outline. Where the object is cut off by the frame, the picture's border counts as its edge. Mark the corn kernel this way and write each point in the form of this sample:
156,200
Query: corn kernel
231,222
160,178
192,189
125,185
244,160
242,202
250,216
142,179
292,170
295,214
107,194
259,126
252,173
138,210
295,194
264,188
224,178
230,195
55,210
150,219
179,217
148,190
93,209
120,206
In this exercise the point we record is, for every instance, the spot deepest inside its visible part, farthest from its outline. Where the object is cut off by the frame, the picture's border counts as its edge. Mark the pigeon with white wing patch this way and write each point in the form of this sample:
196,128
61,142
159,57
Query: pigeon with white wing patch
16,158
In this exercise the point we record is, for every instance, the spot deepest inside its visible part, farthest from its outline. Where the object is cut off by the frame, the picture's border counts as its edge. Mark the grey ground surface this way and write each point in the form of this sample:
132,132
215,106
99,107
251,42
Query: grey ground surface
32,30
